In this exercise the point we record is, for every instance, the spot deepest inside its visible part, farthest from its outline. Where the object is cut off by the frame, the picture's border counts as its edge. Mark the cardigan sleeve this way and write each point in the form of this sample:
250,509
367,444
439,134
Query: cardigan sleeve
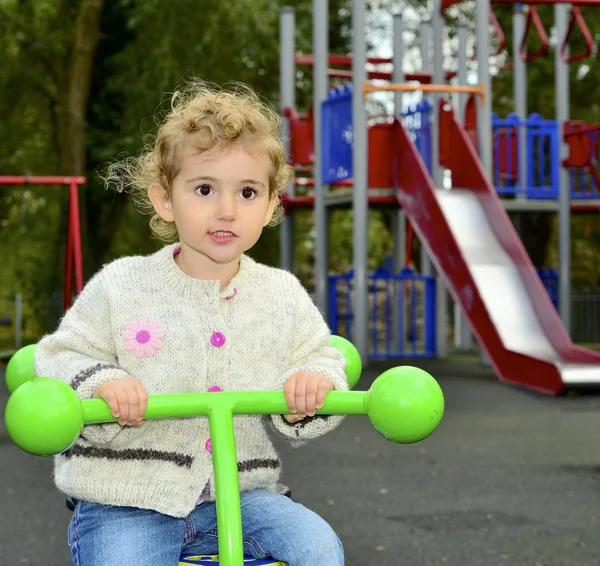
81,351
311,352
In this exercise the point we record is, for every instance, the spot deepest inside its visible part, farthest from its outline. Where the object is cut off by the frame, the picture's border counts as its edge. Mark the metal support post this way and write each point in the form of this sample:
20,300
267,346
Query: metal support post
520,97
424,43
360,200
561,72
462,68
18,321
398,216
437,170
287,91
484,118
484,111
320,85
462,333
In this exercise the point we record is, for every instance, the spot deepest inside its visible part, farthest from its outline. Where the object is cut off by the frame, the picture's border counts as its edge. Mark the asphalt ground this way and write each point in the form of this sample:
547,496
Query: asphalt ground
511,477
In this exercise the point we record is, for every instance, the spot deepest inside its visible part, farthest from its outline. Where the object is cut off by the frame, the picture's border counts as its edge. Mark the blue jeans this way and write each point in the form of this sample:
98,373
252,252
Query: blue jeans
273,525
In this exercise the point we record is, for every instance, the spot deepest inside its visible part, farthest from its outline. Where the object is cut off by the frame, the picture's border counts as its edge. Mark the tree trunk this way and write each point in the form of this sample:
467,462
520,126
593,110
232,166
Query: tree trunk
85,41
73,104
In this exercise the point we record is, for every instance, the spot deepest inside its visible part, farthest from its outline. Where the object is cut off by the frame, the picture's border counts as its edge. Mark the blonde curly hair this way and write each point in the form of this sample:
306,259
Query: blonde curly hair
202,117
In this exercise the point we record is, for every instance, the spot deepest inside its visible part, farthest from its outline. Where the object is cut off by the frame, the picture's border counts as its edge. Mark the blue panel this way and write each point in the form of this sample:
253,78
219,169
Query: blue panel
402,312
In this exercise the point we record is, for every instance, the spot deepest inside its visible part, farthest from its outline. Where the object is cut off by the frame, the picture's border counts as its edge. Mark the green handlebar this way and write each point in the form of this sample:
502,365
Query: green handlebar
45,416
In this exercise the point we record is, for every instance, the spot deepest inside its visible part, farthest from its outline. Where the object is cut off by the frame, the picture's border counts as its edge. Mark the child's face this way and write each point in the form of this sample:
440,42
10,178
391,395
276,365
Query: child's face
219,202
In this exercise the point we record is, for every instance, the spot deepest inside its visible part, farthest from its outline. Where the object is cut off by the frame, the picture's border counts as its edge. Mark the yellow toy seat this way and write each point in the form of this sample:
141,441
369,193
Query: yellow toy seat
188,559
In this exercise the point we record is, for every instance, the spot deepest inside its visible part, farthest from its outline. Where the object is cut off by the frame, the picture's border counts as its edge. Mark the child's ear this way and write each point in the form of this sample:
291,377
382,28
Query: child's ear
274,200
161,201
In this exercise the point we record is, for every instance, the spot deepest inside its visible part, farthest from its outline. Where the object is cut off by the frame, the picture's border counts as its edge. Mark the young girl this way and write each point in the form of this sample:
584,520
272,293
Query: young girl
198,315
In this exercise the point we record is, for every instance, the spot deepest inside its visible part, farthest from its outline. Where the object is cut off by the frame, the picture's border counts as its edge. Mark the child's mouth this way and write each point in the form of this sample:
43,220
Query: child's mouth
222,236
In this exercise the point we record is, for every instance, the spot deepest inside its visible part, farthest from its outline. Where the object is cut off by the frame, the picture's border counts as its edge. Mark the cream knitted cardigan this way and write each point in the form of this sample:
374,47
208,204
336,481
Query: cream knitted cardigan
143,317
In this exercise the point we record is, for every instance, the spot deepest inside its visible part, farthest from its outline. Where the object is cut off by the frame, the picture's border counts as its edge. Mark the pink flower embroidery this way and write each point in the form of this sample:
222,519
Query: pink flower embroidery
143,337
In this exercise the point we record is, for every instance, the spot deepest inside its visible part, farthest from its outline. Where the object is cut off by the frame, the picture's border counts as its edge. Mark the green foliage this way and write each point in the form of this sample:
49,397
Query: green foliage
146,50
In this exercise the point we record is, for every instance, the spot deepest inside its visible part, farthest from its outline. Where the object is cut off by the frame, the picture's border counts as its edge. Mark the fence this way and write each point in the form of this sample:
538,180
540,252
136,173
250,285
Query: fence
541,156
24,321
402,312
585,308
585,316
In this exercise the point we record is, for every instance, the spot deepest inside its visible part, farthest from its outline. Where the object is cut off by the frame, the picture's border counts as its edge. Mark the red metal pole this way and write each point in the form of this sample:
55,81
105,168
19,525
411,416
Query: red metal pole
77,255
68,261
571,2
447,3
74,252
40,180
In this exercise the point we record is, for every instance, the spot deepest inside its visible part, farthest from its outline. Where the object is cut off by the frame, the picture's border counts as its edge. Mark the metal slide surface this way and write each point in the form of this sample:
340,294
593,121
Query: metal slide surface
474,246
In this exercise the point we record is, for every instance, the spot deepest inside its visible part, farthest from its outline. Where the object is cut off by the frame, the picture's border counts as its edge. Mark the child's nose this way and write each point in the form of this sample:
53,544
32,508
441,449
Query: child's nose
226,208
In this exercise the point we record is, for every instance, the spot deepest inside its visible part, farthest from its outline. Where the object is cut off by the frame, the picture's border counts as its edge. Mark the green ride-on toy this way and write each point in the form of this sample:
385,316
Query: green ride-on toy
44,416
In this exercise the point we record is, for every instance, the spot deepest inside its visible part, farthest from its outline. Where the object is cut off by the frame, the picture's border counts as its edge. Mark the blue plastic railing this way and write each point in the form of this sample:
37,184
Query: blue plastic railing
542,150
401,308
337,133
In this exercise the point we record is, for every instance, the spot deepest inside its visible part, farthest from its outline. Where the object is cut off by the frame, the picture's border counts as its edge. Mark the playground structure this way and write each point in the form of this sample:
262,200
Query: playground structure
399,162
73,258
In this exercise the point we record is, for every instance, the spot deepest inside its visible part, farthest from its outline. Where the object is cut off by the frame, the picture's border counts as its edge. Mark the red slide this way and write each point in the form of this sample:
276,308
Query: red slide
476,250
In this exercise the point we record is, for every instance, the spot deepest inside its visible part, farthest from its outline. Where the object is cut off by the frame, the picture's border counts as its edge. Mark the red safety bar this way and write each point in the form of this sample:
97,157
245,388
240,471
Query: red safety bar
551,2
423,78
447,3
74,254
583,148
301,137
534,18
507,138
338,60
372,75
499,33
346,61
32,180
577,19
471,120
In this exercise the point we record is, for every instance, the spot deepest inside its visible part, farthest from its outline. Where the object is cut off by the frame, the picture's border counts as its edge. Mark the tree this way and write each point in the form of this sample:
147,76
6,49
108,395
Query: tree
81,80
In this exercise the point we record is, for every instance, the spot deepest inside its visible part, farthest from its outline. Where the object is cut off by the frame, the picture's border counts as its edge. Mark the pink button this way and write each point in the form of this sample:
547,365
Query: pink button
215,389
232,295
217,339
208,445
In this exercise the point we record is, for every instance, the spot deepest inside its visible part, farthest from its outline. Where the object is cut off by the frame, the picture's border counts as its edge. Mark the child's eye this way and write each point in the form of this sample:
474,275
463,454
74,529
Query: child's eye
248,193
204,190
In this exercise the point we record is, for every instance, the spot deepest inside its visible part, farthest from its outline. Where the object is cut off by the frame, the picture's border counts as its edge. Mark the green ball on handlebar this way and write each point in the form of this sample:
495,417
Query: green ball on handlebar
405,404
44,416
20,368
353,362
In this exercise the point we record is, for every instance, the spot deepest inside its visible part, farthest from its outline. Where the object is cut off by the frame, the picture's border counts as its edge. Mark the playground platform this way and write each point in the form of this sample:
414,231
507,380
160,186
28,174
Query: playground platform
510,478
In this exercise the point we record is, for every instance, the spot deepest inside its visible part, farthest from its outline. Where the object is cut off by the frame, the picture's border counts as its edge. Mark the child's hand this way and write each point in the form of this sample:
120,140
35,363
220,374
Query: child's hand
305,392
126,398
